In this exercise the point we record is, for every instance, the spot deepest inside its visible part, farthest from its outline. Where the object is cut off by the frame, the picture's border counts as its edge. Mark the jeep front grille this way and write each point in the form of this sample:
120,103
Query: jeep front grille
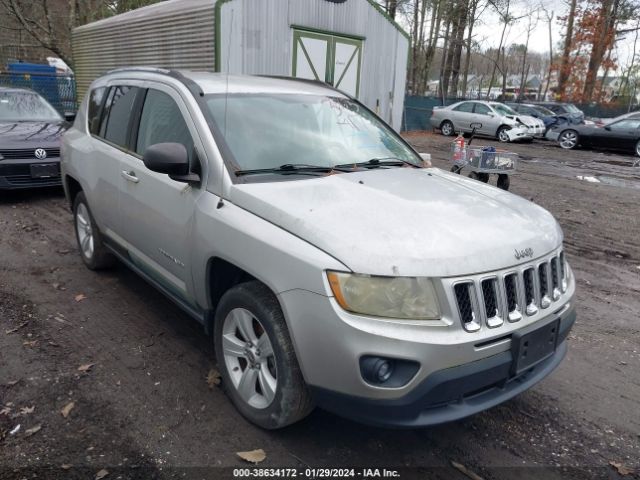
507,297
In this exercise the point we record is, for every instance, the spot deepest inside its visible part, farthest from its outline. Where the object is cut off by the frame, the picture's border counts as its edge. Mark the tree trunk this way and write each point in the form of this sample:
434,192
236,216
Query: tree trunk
565,66
546,87
457,50
467,60
601,43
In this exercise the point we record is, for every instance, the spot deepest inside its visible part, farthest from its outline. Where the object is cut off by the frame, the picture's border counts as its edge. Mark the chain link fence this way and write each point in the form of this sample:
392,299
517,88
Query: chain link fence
58,89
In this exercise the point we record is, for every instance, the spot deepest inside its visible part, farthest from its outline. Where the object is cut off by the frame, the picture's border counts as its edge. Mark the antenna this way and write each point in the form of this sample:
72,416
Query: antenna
226,101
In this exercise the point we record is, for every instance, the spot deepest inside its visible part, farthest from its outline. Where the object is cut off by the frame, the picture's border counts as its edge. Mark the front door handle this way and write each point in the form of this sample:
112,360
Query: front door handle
130,176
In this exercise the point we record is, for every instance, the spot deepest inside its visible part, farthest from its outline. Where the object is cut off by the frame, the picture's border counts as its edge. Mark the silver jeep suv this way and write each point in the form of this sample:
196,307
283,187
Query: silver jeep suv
330,263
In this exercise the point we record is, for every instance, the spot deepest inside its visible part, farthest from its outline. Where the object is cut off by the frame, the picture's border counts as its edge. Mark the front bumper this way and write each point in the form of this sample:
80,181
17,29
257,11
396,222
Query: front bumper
17,174
449,394
552,135
519,133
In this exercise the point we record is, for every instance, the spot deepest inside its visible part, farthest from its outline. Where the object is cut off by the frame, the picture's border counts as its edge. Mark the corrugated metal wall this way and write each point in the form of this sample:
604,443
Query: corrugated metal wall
172,34
262,30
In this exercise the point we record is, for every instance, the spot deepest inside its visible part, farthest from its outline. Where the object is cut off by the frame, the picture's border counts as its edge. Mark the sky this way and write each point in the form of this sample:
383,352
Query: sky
488,34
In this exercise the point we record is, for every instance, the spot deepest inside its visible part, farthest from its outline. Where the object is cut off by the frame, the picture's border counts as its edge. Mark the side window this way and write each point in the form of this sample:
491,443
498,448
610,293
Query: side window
162,122
464,107
95,109
627,124
482,109
117,124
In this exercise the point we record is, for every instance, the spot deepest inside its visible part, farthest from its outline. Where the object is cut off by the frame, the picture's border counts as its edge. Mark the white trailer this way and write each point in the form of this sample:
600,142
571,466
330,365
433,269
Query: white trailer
350,44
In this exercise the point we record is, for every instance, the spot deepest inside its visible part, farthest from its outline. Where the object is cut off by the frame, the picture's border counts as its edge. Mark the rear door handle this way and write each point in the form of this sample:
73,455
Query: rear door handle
130,176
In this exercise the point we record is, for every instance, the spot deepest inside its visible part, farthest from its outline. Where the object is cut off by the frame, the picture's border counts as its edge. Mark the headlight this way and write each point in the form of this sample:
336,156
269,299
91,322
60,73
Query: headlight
411,298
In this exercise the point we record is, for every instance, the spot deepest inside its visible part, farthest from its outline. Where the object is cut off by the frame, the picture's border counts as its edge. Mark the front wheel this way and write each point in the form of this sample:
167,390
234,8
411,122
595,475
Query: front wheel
93,252
503,135
568,139
638,148
255,355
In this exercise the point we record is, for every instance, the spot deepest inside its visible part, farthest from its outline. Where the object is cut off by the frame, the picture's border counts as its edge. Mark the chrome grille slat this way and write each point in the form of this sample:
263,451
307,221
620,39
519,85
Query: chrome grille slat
26,153
492,300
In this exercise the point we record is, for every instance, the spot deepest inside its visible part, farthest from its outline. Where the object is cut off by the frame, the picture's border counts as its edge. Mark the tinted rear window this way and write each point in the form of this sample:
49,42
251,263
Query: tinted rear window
117,126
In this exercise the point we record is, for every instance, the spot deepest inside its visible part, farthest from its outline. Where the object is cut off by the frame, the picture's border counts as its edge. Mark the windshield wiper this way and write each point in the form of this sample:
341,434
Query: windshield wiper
291,168
379,162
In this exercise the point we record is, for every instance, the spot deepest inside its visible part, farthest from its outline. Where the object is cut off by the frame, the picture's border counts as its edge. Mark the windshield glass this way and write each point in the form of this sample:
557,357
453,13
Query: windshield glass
503,109
572,108
268,130
543,110
24,106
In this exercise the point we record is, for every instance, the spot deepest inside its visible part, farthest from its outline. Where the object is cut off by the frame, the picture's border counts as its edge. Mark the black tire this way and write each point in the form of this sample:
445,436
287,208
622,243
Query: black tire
99,257
481,177
568,139
503,181
292,400
447,128
502,136
638,148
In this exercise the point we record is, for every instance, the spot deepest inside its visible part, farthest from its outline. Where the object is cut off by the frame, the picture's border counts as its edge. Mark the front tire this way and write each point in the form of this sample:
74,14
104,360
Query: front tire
502,135
568,139
447,128
256,358
638,148
92,250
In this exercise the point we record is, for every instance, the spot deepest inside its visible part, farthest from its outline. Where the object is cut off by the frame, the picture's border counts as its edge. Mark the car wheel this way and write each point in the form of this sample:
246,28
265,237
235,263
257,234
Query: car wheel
502,134
568,139
256,358
447,128
93,252
638,148
503,181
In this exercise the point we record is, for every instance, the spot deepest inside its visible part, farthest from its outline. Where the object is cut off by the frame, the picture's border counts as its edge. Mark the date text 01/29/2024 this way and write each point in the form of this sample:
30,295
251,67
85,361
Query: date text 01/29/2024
313,473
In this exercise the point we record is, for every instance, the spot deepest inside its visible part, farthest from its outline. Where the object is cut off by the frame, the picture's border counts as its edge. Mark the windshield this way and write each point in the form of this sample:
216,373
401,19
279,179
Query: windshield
502,109
572,108
543,110
25,106
265,131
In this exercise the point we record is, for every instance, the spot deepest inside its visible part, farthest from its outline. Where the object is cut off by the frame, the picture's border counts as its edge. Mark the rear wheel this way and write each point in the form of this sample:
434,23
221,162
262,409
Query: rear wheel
93,252
568,139
257,362
447,128
502,134
503,181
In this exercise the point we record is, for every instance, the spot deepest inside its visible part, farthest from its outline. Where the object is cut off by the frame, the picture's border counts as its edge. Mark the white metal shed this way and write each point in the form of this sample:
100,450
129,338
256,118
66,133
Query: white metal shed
350,44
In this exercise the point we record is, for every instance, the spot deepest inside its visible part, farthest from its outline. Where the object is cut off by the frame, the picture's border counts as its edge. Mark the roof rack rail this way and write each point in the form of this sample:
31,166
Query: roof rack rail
161,70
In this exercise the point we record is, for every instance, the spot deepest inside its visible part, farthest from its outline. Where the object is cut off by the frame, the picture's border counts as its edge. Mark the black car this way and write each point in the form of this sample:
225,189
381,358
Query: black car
567,110
30,131
623,135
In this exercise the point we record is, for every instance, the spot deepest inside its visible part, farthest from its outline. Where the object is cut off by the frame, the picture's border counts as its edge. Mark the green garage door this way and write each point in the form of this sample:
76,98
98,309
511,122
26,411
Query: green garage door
329,58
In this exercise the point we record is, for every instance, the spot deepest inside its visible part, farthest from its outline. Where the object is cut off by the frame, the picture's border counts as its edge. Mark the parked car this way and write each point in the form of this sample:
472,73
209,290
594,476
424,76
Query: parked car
568,110
497,120
333,266
548,117
30,132
622,135
632,115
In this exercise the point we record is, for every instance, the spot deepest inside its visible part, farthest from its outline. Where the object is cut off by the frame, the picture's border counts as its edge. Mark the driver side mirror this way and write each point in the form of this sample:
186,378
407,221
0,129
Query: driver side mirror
171,159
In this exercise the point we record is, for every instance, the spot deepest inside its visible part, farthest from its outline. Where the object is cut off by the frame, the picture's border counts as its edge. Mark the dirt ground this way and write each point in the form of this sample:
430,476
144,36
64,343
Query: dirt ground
144,409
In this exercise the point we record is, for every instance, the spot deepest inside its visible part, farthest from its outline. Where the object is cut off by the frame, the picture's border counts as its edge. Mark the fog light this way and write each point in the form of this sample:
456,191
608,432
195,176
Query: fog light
387,372
384,369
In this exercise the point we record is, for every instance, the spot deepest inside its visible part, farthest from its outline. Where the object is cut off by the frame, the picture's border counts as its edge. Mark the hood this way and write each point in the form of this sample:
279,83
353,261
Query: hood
528,120
405,221
31,134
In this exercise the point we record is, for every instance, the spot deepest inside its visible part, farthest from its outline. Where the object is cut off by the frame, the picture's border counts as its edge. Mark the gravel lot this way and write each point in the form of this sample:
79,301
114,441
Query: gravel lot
144,408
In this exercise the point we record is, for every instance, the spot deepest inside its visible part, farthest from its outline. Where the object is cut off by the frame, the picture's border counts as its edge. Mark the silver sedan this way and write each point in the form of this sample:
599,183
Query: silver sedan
492,119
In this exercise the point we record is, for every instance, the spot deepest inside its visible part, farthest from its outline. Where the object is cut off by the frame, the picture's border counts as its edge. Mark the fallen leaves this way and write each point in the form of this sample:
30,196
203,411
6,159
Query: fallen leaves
66,466
462,469
254,456
5,411
30,343
80,297
14,330
27,410
213,378
12,383
101,474
32,430
86,367
67,409
621,469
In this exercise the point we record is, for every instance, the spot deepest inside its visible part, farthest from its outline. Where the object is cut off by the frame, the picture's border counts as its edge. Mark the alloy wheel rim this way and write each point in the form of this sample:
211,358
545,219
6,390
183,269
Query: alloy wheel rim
446,128
638,149
85,231
249,358
503,137
568,140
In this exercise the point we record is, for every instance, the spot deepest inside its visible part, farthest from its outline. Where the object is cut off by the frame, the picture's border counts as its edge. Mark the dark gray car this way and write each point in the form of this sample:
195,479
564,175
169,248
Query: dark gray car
30,131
